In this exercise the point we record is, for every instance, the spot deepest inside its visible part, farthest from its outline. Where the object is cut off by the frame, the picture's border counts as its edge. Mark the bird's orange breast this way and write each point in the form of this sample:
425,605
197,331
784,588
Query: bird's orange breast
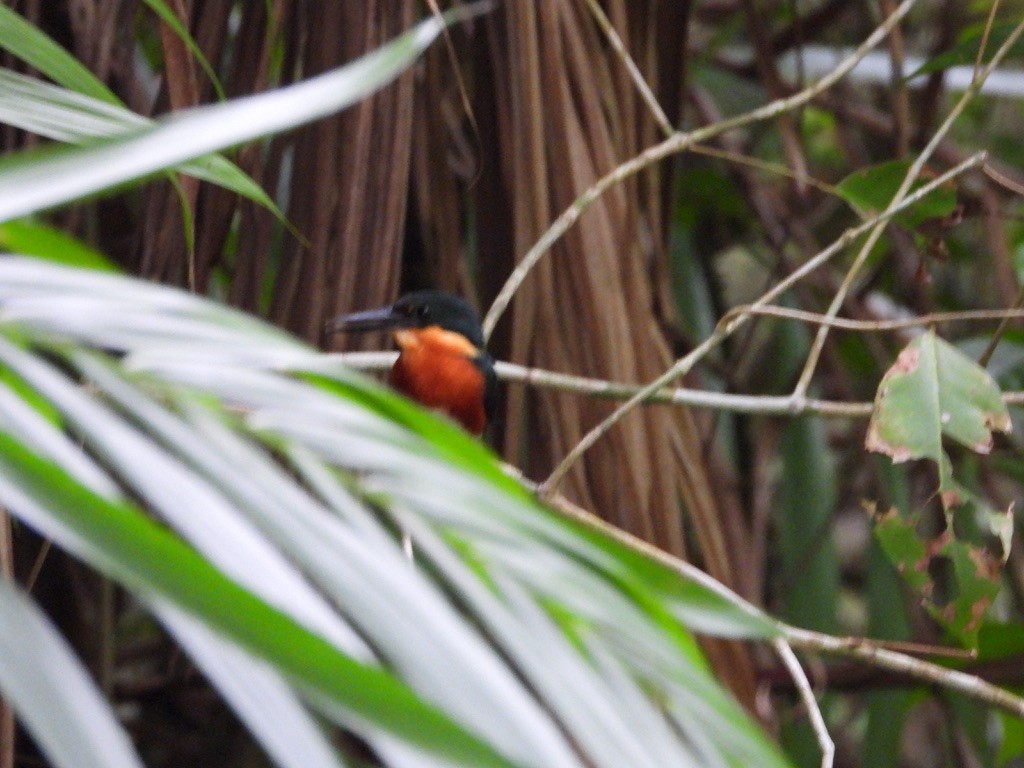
436,368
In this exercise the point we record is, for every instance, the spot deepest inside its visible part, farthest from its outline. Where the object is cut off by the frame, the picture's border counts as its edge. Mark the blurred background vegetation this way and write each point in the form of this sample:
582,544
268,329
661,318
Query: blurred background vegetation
448,176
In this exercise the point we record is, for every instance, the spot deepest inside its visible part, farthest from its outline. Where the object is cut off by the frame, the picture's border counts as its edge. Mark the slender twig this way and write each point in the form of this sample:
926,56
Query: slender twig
723,331
900,96
933,318
989,23
913,172
765,405
803,687
634,71
107,610
1003,180
762,165
866,650
990,348
755,404
460,83
676,143
771,81
37,565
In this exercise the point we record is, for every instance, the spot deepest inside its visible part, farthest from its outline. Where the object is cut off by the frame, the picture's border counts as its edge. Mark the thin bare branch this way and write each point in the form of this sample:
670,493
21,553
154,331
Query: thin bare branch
863,649
762,165
766,405
634,72
900,97
659,392
1003,180
912,174
767,67
803,687
676,143
989,23
871,653
722,332
933,318
990,348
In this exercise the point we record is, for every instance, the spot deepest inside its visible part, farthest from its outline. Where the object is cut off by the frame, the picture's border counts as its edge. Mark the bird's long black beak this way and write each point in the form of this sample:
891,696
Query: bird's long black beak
381,319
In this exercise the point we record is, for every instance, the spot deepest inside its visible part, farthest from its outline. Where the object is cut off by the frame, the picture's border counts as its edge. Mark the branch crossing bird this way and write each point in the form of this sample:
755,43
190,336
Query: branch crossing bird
442,363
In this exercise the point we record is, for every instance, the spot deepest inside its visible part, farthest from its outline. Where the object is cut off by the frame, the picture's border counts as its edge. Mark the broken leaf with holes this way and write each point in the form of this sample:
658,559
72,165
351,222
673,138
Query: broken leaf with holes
956,571
932,392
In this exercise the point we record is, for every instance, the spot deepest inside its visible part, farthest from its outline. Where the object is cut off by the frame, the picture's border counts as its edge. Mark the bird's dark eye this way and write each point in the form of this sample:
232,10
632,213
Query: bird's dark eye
423,312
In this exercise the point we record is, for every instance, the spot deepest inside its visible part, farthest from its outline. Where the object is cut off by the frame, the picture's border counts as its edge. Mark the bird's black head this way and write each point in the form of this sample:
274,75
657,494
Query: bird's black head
419,309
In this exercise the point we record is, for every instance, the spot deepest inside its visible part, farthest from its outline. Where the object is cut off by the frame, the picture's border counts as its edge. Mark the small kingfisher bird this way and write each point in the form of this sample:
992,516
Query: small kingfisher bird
442,363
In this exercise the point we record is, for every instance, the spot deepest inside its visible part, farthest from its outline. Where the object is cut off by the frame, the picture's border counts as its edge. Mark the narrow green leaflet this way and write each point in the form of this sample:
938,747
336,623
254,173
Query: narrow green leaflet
90,109
42,179
291,735
34,238
34,47
51,112
161,9
934,391
695,599
75,118
120,541
324,466
52,693
808,562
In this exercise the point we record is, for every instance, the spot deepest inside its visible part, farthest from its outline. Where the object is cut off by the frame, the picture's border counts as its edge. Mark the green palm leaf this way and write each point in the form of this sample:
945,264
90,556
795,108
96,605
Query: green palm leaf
516,637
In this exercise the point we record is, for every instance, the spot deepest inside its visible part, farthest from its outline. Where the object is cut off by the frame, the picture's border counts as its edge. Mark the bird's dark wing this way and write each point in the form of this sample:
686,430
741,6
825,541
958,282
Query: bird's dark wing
485,363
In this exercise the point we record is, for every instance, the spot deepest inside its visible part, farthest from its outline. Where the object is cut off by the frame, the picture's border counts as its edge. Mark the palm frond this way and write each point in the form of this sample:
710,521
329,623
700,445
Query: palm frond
281,486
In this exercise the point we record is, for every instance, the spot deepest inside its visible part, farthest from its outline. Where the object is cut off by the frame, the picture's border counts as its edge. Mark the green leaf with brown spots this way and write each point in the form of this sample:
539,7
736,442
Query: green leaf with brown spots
956,579
932,392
